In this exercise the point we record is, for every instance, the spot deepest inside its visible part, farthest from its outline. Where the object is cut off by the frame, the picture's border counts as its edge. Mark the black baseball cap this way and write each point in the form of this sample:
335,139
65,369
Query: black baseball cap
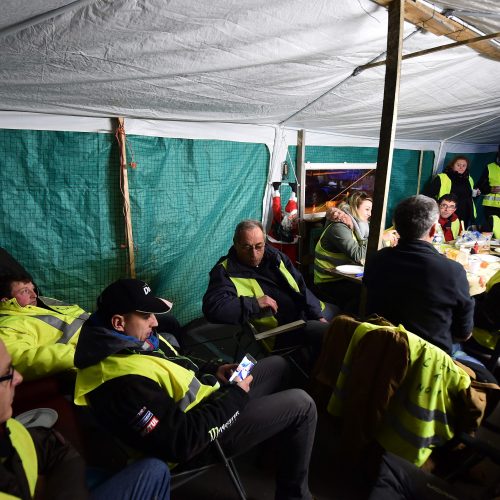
128,295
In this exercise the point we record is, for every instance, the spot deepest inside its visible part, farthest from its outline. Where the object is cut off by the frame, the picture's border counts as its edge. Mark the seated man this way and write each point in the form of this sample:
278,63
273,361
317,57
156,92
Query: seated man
39,333
161,403
258,283
413,285
448,219
27,453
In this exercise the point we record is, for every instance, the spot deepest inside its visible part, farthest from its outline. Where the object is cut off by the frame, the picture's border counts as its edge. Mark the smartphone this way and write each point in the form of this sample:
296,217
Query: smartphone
243,369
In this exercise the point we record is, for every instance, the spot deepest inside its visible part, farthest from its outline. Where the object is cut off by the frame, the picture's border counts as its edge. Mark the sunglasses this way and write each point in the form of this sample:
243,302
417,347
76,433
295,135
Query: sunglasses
10,376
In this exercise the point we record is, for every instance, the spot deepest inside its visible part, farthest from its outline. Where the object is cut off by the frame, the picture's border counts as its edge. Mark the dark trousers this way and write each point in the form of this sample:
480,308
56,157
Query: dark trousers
288,414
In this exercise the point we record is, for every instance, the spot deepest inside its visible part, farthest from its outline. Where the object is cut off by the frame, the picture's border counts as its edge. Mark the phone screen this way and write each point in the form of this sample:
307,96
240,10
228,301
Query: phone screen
243,369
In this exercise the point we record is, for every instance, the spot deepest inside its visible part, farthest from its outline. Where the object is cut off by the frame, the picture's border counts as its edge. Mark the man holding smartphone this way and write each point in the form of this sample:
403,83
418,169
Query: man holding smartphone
162,403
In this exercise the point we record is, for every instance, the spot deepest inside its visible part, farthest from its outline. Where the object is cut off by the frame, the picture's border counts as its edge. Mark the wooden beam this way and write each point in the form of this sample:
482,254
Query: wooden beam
431,50
425,17
387,125
122,142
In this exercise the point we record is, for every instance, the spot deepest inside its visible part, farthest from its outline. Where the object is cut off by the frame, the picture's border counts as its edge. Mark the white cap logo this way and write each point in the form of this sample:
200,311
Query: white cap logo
146,290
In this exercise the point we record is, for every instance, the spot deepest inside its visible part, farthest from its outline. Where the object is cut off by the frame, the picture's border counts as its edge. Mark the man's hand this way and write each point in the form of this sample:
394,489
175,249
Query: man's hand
245,383
323,320
224,372
266,301
391,236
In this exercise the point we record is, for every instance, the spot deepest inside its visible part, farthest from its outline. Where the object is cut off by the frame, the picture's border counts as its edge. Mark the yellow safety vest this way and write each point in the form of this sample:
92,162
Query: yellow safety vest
496,227
25,330
324,260
493,199
481,336
25,448
178,382
455,228
417,417
446,188
249,287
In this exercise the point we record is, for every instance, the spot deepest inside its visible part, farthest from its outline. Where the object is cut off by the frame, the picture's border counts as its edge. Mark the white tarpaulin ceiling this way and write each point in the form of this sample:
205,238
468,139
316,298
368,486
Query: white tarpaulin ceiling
245,61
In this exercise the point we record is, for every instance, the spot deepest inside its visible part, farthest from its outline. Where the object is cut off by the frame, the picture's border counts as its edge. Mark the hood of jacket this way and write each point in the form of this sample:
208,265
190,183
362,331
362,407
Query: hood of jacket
97,342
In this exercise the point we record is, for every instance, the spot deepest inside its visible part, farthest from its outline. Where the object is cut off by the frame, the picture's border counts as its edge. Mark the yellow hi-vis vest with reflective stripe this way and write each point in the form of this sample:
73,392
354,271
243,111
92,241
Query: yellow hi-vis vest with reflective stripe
41,341
178,382
25,448
484,337
324,259
493,199
455,228
446,188
496,227
249,287
418,415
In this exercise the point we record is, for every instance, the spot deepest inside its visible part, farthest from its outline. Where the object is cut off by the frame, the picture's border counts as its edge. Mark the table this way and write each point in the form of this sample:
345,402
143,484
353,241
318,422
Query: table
477,280
350,277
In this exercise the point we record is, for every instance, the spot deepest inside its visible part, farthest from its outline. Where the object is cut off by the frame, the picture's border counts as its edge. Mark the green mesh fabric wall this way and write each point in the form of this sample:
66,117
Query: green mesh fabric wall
477,163
62,210
404,174
187,197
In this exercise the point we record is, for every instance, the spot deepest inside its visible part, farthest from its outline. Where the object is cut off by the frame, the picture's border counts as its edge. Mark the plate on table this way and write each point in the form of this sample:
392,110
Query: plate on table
350,269
39,417
488,258
497,250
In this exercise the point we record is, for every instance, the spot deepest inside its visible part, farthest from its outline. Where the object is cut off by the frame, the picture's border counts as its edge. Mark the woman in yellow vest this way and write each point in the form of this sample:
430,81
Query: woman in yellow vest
344,241
456,179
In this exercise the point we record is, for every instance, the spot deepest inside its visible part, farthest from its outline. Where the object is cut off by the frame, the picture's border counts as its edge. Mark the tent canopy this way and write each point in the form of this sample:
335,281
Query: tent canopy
247,62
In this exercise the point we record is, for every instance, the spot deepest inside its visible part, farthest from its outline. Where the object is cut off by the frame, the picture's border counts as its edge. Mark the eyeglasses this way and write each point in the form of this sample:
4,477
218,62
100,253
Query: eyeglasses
446,206
248,248
10,376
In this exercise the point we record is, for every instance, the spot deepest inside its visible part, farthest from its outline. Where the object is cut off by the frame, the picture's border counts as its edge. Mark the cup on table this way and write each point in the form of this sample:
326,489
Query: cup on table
487,242
474,265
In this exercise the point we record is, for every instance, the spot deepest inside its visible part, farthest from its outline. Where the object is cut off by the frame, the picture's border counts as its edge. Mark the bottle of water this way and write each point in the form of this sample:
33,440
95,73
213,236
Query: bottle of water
438,238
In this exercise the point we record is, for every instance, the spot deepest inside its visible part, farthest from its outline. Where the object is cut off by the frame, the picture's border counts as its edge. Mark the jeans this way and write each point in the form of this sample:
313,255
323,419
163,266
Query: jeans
290,415
146,479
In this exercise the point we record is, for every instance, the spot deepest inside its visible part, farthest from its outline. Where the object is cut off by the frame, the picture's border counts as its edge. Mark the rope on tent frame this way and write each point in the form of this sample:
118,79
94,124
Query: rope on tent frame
129,238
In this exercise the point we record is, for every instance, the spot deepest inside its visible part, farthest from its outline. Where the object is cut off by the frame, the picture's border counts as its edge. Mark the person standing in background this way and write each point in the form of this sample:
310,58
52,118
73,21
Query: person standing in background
456,179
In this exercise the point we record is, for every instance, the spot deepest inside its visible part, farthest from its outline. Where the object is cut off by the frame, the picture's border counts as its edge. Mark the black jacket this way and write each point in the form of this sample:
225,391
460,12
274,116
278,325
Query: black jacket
221,304
141,413
413,285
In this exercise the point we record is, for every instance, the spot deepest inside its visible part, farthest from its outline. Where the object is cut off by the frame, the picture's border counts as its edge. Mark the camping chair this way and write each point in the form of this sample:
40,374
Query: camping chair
489,357
383,384
119,454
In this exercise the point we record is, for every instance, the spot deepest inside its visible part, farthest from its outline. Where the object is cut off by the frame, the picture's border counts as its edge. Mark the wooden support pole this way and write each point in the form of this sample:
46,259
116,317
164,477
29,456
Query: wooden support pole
387,125
120,135
301,174
419,176
387,128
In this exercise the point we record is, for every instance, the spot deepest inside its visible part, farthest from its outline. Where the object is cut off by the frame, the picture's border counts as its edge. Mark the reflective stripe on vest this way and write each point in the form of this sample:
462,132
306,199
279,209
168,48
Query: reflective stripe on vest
493,199
23,444
481,336
67,329
324,259
416,417
446,188
180,384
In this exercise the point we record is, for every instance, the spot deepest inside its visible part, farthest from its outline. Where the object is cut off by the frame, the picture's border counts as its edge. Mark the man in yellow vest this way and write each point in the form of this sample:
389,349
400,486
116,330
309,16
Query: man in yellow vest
39,332
27,453
448,220
163,404
489,185
256,282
